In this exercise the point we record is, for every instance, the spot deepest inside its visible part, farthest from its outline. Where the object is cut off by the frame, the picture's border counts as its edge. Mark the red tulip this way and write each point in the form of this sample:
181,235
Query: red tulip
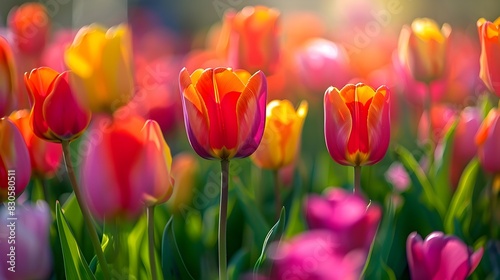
490,53
56,115
8,80
487,137
224,111
30,26
15,167
357,124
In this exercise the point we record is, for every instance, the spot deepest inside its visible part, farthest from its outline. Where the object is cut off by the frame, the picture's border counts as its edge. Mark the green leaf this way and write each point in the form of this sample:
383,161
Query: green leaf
442,165
237,264
135,242
172,264
415,171
75,265
461,200
273,235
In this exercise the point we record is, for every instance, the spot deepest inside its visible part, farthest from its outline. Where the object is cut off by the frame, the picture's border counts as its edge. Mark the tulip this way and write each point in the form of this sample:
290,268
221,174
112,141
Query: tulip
8,80
442,117
315,255
253,41
30,26
351,219
321,63
223,111
56,115
487,142
185,170
15,167
422,49
490,53
357,124
281,139
102,63
33,255
440,256
118,184
45,156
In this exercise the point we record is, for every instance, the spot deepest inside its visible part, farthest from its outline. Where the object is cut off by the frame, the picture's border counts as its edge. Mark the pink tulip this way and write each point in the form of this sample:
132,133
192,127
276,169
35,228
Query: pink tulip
487,137
31,250
315,255
348,216
442,117
440,257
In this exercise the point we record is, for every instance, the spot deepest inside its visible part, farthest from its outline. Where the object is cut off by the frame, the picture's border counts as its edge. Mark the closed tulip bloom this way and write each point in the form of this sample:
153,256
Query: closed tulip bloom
490,53
102,62
440,256
224,111
422,49
253,41
15,166
487,137
185,171
45,156
32,246
281,140
30,26
56,114
357,124
118,183
8,78
348,216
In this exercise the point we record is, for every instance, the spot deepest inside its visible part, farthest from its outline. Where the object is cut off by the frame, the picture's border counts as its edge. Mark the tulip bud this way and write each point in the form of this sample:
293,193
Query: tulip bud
30,26
490,50
31,250
15,166
487,137
185,169
8,80
440,256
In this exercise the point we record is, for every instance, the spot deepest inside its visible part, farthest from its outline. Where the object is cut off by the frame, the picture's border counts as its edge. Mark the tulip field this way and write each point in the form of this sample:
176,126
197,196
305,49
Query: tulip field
251,141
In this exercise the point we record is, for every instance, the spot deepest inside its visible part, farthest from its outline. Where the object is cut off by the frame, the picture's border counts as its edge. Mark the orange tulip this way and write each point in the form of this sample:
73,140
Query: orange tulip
223,111
8,78
45,156
357,124
253,39
30,26
422,49
490,53
282,134
56,115
15,167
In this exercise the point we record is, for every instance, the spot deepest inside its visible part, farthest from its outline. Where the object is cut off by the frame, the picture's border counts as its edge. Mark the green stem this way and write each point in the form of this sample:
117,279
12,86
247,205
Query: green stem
357,179
428,113
85,211
150,212
277,193
223,218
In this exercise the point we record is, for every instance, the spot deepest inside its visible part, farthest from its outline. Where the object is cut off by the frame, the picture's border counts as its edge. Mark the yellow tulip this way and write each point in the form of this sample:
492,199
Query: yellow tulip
282,132
102,63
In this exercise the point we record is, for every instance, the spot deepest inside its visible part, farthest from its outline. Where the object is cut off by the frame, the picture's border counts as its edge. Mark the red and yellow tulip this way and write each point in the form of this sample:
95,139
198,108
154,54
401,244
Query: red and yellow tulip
224,111
357,124
422,49
56,115
8,80
45,156
490,53
102,62
281,140
15,166
120,184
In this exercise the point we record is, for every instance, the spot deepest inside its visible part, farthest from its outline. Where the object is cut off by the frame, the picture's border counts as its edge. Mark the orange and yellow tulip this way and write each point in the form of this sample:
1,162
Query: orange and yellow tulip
30,26
490,53
224,111
102,62
422,49
15,167
45,156
8,80
118,184
357,124
56,115
252,39
281,140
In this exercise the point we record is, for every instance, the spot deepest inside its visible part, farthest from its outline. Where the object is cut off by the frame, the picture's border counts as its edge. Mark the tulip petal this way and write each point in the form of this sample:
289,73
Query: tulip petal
378,125
338,123
251,115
